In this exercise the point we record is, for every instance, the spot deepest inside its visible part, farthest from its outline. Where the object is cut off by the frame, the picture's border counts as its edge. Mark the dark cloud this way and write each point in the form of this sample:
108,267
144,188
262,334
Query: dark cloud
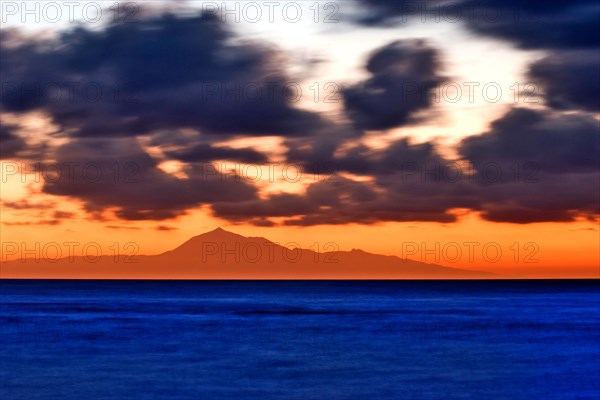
315,156
117,173
569,79
276,205
554,143
343,201
550,166
165,228
528,24
25,204
27,223
162,72
132,228
205,152
63,214
325,158
156,77
185,83
193,148
403,74
531,166
554,198
394,191
11,144
561,24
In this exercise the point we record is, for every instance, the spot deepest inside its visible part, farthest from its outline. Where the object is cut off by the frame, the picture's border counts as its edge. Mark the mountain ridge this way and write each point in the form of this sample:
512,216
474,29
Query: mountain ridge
221,254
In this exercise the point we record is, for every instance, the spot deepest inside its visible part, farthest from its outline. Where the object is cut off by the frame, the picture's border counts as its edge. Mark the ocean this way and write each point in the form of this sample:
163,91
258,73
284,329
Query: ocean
480,340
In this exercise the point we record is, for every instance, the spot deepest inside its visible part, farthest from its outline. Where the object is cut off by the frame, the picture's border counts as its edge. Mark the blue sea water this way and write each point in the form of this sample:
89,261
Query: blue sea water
96,340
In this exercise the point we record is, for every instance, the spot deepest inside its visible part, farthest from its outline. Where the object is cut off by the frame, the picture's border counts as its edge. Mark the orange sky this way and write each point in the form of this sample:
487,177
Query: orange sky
544,249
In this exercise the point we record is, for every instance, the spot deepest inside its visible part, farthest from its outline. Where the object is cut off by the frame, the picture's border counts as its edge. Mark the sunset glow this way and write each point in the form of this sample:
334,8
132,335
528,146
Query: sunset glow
381,134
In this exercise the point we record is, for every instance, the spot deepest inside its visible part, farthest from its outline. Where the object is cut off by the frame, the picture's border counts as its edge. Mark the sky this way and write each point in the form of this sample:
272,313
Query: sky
462,133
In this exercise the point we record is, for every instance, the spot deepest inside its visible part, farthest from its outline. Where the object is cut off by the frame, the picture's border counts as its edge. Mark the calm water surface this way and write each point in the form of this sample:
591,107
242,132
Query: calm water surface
74,340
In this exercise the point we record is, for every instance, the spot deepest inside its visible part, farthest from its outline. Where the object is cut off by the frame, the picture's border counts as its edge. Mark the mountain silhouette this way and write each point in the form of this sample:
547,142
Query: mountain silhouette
220,254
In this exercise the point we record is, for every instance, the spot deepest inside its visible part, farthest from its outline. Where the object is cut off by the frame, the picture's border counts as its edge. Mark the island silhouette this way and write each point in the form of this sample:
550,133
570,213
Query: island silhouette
220,254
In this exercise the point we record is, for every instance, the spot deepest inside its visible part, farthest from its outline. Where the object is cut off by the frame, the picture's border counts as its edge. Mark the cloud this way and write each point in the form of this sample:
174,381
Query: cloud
402,76
63,214
118,173
204,152
539,24
555,143
165,228
183,83
326,158
198,148
40,222
154,77
276,205
530,166
24,204
162,72
569,80
534,24
132,228
550,164
393,191
11,144
342,201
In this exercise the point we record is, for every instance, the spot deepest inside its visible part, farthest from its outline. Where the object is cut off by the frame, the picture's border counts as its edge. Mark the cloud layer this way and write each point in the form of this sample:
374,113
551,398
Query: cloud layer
130,98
